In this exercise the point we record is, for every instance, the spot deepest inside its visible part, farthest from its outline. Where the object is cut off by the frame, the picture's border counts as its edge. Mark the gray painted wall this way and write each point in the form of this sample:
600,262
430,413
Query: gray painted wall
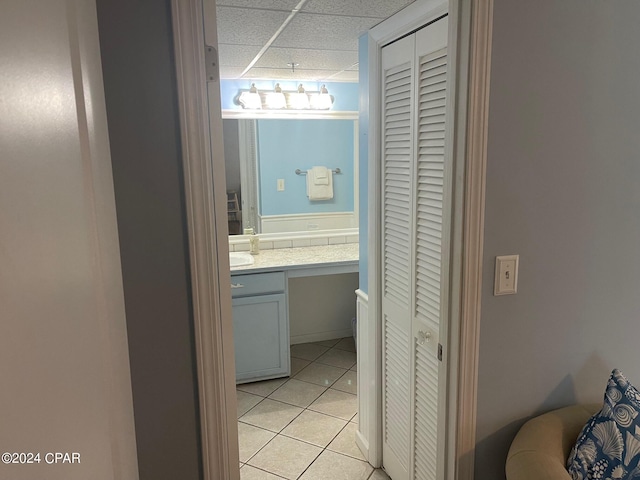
139,77
562,191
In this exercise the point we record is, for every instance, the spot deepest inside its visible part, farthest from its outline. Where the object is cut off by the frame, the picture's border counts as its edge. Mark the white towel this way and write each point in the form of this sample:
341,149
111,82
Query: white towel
319,183
320,175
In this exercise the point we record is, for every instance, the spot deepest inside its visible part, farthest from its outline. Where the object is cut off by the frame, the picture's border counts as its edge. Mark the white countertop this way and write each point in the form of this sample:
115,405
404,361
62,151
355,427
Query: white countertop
302,257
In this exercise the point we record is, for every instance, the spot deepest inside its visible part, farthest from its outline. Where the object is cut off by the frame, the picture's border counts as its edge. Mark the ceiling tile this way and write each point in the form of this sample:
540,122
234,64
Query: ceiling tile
230,72
237,55
286,5
247,26
380,9
278,57
346,76
287,74
308,30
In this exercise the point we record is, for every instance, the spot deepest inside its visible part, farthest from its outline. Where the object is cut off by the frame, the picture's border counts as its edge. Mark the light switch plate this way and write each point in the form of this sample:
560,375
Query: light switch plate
506,277
280,185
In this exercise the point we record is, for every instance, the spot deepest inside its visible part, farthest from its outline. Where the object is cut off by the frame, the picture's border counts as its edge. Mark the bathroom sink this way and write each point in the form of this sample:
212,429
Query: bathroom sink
239,259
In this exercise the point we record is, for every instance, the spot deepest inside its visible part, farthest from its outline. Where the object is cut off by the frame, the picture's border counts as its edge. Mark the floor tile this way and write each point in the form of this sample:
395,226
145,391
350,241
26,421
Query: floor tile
333,466
355,419
328,343
345,442
335,403
286,457
313,427
338,358
246,401
320,374
307,351
251,439
347,383
271,415
379,474
347,344
295,392
354,368
264,389
298,364
252,473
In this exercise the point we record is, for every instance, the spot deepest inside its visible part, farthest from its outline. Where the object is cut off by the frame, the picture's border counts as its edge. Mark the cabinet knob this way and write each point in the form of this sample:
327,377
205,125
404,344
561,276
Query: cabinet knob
423,337
237,285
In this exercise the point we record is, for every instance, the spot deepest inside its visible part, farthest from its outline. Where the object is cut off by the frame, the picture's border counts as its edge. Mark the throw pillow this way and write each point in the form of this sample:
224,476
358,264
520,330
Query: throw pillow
608,447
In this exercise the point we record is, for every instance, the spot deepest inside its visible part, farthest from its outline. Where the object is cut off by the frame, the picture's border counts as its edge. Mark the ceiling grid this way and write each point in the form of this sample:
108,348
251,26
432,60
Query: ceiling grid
258,38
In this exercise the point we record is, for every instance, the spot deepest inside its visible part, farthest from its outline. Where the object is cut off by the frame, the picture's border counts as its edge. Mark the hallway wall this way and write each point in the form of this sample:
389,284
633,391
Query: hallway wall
562,191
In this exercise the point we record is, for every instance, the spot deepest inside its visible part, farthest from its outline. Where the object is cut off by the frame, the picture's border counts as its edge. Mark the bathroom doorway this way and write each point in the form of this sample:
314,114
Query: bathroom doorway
218,404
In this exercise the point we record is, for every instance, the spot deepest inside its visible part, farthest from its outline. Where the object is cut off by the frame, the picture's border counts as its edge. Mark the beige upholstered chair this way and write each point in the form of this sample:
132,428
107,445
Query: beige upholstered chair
540,449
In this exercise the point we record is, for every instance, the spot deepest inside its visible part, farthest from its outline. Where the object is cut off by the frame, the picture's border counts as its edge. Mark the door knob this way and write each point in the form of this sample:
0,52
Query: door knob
423,337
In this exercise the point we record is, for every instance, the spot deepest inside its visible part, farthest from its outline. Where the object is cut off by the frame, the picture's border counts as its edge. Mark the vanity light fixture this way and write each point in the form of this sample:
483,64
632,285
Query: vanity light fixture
300,99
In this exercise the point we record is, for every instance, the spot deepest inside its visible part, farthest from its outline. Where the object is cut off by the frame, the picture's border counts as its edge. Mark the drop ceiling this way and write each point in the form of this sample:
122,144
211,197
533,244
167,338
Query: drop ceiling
259,38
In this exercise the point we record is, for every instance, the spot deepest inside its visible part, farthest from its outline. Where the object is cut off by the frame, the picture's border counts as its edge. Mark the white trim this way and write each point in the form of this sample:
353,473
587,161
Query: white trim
412,17
367,418
300,115
299,222
373,336
207,229
475,37
249,188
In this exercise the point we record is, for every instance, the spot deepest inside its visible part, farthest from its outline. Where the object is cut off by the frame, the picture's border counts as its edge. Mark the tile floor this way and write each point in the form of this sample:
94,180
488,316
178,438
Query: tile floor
303,427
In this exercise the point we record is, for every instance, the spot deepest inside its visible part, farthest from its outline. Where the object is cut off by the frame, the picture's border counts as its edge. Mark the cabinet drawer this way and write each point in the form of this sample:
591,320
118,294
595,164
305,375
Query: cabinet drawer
257,284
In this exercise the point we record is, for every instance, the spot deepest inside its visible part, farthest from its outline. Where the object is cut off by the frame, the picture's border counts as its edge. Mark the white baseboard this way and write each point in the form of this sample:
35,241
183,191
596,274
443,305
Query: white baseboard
322,336
308,222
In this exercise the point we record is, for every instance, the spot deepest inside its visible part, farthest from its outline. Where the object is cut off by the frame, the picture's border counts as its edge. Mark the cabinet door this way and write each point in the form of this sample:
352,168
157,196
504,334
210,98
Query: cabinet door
261,337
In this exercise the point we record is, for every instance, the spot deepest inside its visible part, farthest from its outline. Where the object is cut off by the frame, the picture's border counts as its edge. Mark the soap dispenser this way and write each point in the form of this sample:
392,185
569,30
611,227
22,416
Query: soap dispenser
254,241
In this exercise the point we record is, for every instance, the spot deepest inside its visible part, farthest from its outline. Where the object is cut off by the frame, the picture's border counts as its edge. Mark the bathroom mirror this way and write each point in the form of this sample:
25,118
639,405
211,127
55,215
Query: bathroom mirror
267,160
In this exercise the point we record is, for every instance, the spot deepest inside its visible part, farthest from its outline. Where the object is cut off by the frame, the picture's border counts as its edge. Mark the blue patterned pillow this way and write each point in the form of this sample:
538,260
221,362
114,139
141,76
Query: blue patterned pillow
608,447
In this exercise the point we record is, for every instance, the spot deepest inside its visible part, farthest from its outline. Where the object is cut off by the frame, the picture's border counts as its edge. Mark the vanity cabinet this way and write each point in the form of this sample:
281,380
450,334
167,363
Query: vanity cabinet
260,326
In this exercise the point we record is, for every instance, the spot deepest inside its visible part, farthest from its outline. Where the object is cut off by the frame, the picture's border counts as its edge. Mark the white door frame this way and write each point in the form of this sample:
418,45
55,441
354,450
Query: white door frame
203,160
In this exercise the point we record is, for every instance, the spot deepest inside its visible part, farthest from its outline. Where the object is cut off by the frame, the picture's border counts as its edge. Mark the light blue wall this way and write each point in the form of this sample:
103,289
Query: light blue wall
286,145
363,143
345,94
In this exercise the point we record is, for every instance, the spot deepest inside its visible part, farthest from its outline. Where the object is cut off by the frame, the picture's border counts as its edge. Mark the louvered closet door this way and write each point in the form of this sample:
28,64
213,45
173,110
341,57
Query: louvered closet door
397,226
415,224
432,221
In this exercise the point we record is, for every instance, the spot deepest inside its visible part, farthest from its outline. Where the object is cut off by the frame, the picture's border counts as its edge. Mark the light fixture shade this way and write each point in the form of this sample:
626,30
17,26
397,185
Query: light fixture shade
298,101
275,100
321,101
250,100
